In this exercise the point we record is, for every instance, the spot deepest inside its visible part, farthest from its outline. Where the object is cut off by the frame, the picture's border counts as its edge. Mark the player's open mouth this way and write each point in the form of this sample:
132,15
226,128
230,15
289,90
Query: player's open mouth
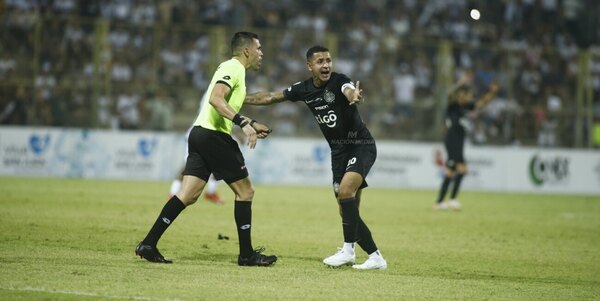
325,73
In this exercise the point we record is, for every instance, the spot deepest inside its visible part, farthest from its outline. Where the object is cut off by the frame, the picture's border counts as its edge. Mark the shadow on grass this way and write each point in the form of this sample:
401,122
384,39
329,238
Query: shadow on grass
232,258
216,257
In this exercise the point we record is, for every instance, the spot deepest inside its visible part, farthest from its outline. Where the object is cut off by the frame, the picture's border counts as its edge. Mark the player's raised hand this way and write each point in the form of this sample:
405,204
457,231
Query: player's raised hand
494,87
262,130
356,94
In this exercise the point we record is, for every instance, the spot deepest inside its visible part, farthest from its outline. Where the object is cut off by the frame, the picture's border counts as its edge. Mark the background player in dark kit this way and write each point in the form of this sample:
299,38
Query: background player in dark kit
460,103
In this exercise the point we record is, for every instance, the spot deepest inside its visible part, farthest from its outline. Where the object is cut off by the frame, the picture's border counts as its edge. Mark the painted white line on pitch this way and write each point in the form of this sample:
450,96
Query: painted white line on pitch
78,293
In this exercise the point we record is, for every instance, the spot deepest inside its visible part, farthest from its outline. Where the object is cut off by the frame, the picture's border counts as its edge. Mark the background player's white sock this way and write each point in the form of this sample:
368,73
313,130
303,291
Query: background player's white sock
175,186
212,185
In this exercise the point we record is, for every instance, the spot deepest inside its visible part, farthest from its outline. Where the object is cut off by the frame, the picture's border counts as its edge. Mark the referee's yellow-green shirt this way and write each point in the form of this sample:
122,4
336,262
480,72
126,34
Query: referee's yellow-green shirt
233,74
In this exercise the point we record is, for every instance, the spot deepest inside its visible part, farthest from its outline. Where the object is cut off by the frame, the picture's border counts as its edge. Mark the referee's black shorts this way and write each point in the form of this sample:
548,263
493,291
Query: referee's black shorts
358,158
214,152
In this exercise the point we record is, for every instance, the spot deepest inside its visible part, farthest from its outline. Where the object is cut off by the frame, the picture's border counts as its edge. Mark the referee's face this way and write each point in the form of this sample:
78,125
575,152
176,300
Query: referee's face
320,66
255,54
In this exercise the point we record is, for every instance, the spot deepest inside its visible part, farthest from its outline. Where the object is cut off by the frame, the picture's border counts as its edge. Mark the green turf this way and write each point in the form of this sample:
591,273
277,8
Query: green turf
74,240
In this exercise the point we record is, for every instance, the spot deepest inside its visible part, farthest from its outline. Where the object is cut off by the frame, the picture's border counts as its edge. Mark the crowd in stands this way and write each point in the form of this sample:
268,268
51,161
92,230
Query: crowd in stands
142,64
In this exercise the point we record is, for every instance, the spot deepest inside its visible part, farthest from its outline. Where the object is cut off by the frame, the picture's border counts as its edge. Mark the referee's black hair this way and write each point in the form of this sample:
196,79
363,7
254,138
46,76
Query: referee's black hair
241,39
315,49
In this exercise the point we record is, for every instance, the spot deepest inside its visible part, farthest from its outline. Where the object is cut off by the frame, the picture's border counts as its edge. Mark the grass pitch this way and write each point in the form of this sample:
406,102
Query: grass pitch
75,239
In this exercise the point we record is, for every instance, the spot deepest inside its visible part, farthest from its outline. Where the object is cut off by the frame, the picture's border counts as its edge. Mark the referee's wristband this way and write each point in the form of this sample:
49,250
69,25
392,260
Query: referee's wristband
237,119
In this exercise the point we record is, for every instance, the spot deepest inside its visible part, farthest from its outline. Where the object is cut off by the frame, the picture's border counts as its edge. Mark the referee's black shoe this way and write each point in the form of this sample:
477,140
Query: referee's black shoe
150,253
257,259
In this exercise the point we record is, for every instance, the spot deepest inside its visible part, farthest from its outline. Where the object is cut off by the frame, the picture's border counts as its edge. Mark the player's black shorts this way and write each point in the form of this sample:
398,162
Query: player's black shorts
455,155
214,152
359,158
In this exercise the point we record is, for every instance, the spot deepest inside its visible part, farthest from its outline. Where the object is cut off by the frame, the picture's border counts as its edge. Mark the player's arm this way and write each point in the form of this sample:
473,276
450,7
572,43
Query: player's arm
352,93
264,98
488,96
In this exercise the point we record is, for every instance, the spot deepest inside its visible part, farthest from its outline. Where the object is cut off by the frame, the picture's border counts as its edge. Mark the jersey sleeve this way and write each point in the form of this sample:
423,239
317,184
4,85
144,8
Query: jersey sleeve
228,74
343,81
293,92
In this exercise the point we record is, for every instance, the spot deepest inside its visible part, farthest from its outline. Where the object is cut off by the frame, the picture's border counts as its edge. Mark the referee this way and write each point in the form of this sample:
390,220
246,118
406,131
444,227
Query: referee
212,150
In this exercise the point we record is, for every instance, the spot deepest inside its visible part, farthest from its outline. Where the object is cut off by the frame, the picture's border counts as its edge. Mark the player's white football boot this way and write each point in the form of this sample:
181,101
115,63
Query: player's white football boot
373,263
340,258
440,206
454,204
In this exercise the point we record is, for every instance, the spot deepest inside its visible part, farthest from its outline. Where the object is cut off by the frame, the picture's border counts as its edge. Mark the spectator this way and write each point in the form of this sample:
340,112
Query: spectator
128,111
160,112
13,108
404,90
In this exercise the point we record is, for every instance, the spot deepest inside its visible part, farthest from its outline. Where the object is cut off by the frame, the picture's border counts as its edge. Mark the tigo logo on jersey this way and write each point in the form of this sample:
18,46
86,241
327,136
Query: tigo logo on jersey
329,119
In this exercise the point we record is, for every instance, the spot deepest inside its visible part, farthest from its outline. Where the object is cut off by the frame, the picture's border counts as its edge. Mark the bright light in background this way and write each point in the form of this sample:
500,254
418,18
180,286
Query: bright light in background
475,14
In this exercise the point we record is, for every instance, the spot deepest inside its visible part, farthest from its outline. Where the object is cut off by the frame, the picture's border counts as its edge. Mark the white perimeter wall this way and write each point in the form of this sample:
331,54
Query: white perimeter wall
50,152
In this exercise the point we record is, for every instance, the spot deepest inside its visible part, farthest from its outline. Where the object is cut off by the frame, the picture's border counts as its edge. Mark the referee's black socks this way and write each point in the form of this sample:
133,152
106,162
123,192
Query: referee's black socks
243,220
168,214
350,218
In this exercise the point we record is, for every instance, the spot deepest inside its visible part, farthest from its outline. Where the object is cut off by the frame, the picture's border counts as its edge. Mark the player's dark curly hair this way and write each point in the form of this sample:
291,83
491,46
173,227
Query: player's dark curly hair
240,40
315,49
453,96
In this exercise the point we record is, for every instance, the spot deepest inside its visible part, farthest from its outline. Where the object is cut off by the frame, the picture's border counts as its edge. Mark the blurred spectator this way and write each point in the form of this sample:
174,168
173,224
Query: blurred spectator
128,111
45,81
404,90
121,71
168,46
13,107
104,111
285,118
8,65
160,112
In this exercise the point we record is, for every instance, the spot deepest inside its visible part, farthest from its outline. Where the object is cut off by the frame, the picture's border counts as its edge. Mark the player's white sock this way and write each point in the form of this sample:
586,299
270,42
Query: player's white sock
175,186
211,186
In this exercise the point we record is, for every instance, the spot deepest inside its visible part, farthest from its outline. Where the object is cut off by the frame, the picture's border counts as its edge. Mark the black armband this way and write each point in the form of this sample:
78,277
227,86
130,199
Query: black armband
237,119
